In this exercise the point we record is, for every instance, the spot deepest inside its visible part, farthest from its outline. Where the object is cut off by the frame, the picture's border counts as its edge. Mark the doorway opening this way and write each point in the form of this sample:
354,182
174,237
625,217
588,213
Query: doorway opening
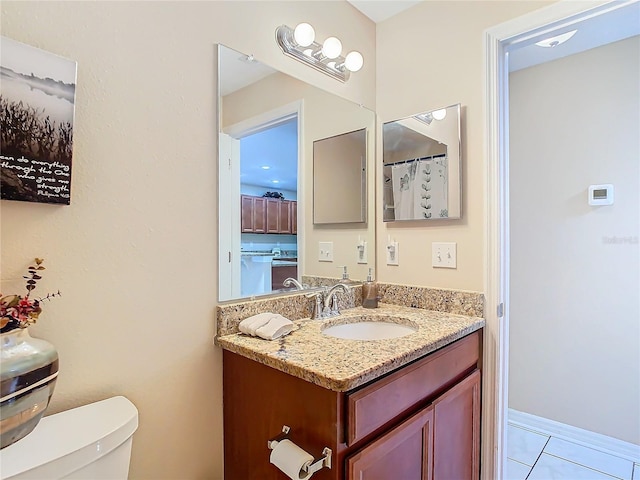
260,184
501,42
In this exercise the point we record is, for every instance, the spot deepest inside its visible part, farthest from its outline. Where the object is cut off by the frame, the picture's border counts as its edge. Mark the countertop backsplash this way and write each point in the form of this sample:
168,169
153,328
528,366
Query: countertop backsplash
460,302
296,306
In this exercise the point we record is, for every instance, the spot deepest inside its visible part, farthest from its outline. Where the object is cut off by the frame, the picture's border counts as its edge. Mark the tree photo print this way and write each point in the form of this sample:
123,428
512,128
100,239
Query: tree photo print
37,99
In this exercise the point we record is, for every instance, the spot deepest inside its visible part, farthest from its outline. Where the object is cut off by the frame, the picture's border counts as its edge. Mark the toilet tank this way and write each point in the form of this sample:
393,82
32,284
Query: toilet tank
88,442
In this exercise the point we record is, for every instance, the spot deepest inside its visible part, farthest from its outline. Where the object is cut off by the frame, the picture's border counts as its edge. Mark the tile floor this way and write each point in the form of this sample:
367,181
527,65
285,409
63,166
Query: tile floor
536,456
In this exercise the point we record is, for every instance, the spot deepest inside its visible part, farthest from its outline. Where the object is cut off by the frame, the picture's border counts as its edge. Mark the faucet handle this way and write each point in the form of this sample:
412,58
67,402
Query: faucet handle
318,293
334,306
318,304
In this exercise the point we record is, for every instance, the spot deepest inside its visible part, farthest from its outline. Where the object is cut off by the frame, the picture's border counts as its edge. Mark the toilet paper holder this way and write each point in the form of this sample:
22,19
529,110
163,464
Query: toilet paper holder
318,462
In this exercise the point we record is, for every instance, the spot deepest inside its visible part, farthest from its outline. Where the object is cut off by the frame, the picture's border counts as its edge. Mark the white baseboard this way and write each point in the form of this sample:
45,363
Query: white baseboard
586,438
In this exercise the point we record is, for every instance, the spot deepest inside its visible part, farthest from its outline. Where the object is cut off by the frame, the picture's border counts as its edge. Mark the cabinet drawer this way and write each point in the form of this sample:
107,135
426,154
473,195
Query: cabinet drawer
374,405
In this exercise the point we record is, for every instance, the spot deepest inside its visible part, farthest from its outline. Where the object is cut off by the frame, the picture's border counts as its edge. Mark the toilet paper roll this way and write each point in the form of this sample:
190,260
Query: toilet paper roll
291,459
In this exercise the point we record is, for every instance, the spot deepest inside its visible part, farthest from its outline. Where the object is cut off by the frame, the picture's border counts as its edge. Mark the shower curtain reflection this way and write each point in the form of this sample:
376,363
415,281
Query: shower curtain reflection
419,188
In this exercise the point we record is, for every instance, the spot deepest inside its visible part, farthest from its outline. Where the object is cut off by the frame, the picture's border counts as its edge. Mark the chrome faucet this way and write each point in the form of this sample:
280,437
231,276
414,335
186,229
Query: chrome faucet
331,301
288,282
325,301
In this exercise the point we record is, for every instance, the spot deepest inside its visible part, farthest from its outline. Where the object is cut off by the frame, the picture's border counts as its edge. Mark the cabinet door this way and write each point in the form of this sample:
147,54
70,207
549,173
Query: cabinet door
456,431
293,206
278,216
406,452
273,215
259,215
280,273
252,217
285,216
246,216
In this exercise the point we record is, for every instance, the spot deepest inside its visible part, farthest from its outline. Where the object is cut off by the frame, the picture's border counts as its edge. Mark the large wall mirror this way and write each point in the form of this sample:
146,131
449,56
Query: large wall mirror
268,123
421,166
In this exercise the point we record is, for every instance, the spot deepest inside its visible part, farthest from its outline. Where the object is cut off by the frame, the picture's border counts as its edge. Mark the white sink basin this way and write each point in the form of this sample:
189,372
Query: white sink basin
365,329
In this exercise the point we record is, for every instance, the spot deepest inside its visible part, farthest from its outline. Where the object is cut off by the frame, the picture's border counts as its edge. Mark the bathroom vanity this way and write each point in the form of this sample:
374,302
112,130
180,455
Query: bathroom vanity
400,408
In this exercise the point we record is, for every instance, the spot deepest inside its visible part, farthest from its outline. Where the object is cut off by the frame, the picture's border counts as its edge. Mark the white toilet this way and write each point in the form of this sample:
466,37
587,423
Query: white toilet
92,442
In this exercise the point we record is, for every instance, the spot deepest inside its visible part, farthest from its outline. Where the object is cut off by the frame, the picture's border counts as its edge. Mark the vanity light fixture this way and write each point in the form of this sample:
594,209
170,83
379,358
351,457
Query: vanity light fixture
300,44
431,116
424,118
557,40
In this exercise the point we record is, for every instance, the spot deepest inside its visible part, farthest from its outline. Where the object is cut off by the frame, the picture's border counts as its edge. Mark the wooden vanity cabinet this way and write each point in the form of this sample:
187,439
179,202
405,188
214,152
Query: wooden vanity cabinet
441,441
419,422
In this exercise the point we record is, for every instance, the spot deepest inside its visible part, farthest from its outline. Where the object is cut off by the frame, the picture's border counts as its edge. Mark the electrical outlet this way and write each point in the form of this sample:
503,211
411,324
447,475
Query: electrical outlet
443,255
392,254
325,250
361,252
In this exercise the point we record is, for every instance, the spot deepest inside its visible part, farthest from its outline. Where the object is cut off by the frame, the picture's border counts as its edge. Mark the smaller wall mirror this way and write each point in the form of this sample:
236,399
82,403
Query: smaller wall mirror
421,166
340,178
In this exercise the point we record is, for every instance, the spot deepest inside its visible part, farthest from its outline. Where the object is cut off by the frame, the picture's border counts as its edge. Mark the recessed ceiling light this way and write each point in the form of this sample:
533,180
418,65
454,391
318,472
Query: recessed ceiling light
557,40
265,167
275,181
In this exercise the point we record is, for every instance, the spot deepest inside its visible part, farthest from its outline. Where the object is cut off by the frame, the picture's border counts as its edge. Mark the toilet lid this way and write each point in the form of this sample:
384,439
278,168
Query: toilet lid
72,439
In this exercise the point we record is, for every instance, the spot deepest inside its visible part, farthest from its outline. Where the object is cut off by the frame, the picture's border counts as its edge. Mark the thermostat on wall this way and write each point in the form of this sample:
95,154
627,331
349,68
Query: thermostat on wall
601,194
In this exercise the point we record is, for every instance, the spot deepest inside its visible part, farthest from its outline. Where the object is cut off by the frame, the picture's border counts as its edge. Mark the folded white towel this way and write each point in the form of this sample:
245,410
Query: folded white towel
251,324
266,325
277,327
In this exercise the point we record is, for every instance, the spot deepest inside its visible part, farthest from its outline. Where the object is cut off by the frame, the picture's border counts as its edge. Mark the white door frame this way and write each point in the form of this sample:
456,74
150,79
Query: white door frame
229,227
497,42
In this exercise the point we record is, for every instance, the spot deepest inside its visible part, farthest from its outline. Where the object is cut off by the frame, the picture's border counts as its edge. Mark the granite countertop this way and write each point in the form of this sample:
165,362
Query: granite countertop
342,365
284,263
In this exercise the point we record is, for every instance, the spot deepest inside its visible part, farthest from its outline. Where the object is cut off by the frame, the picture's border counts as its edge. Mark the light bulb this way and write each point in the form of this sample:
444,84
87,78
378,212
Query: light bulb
353,61
332,47
557,40
439,114
304,34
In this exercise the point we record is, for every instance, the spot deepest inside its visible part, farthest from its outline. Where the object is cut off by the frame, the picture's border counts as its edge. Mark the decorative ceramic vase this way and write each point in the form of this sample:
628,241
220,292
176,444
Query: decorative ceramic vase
28,372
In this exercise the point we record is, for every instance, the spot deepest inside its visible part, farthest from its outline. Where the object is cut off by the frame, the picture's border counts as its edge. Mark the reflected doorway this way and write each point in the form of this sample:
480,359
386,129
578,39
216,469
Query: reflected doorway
259,177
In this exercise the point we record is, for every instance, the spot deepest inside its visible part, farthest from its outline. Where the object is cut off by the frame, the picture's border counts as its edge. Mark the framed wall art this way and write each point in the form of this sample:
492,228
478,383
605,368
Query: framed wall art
37,100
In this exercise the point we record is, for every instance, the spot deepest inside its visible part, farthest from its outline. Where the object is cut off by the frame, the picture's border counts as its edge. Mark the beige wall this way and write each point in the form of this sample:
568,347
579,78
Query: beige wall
574,314
135,253
429,57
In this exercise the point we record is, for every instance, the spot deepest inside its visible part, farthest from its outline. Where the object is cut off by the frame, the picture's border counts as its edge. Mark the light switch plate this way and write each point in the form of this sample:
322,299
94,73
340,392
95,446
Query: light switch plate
361,252
393,254
325,251
443,255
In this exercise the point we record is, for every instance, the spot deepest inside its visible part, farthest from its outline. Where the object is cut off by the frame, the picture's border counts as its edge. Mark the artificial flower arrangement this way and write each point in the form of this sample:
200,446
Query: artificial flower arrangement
17,311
